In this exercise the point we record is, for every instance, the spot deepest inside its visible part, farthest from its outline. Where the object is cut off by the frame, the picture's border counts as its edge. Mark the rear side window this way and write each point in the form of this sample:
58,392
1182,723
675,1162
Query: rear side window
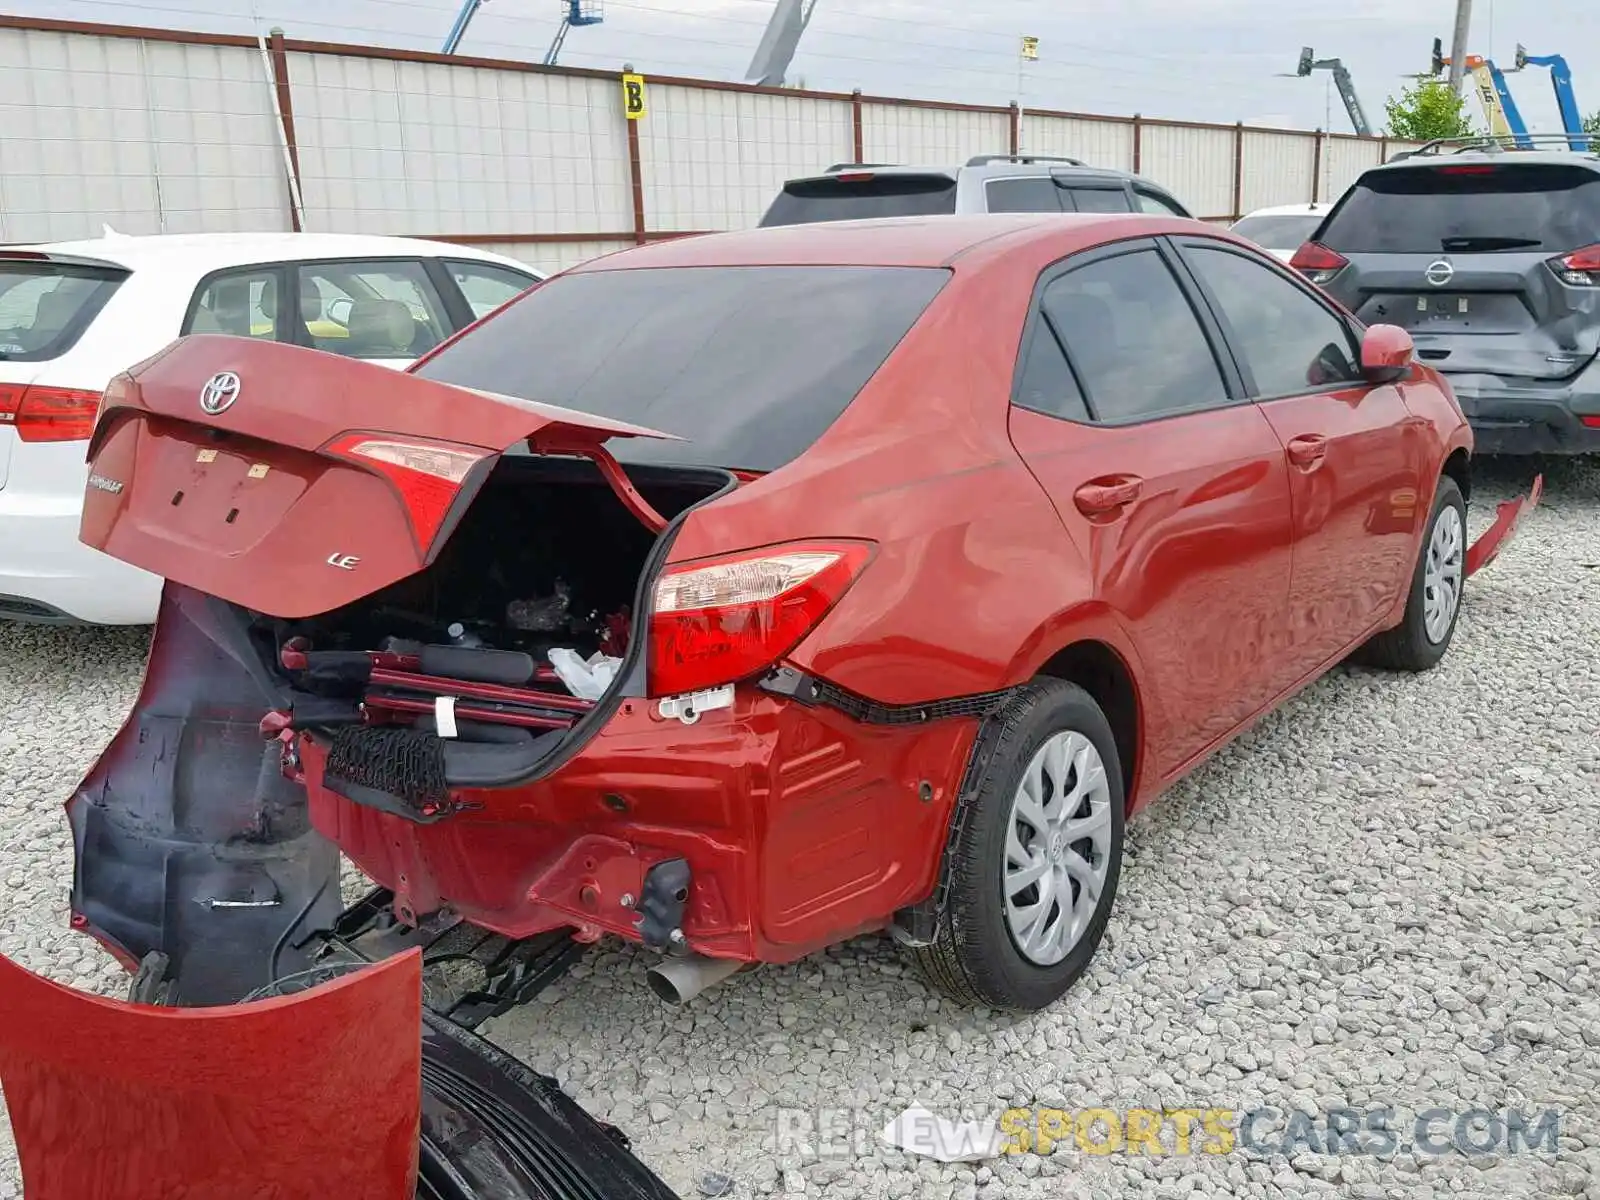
1036,195
1134,338
240,303
45,306
1150,202
1468,207
1101,200
750,365
862,196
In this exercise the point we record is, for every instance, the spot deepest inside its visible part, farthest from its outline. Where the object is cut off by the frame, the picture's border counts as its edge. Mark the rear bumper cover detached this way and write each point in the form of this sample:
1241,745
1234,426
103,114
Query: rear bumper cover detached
344,1089
1530,418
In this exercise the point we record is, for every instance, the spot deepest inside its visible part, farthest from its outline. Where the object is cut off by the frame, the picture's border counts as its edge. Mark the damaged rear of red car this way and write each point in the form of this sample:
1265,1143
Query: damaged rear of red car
545,671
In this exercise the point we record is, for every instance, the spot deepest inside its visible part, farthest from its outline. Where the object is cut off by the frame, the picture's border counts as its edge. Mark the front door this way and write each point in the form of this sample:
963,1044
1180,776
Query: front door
1352,450
1171,482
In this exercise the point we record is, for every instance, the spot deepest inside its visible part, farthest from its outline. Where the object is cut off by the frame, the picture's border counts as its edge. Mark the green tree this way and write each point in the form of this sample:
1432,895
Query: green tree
1591,124
1427,110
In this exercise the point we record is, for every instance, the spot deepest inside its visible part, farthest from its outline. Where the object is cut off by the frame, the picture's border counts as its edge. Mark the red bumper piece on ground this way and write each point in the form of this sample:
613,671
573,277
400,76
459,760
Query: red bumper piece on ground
1483,551
309,1095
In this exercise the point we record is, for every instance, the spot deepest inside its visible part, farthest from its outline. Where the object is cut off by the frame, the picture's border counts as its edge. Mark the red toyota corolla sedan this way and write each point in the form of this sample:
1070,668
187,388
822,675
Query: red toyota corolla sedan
746,593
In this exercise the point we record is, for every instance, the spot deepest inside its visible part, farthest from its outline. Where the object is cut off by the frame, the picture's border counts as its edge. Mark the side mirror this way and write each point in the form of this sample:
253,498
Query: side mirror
338,311
1387,354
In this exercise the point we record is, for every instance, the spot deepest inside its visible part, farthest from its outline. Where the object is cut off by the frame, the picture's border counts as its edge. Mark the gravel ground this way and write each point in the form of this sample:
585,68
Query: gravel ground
1383,896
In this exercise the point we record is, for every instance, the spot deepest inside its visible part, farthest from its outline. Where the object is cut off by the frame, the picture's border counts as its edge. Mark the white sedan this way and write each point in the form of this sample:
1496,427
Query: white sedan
1282,230
75,314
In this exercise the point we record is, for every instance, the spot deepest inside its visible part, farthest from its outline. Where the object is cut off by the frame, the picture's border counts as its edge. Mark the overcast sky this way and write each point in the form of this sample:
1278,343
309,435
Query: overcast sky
1212,60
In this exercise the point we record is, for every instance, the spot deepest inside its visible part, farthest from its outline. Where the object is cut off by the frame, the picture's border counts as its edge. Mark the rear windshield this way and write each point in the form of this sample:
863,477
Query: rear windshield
836,198
1468,207
45,307
749,364
1279,232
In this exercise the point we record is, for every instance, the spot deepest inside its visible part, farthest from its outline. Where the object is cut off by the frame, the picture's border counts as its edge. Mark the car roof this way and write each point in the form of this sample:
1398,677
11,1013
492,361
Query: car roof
213,251
933,241
999,166
1316,209
1445,157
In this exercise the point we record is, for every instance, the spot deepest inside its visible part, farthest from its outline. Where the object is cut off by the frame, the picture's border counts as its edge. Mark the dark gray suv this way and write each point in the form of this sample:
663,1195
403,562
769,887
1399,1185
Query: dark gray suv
1491,258
990,183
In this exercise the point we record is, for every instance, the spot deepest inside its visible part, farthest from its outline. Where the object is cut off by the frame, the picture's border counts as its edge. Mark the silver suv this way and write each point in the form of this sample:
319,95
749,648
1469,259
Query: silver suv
1490,256
990,183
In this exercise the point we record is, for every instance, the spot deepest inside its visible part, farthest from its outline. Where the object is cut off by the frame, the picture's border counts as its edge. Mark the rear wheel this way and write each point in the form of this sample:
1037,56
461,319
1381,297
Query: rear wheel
1434,602
1034,855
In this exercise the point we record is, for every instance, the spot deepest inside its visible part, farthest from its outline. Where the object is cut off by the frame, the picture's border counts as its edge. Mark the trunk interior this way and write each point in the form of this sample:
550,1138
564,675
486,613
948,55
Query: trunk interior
445,679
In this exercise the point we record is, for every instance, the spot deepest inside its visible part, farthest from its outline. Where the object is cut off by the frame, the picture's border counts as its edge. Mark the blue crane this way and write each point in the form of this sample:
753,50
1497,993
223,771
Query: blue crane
575,12
1561,80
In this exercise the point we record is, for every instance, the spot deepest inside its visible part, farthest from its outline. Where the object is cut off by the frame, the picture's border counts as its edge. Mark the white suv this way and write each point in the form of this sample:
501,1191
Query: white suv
75,314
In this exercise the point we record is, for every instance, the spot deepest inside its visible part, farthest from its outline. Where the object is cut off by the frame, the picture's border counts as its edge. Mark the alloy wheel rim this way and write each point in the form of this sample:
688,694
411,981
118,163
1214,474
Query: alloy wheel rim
1058,848
1441,575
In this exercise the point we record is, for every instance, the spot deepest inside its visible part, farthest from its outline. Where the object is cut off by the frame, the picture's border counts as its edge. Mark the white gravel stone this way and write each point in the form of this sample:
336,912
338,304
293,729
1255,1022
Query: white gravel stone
1386,894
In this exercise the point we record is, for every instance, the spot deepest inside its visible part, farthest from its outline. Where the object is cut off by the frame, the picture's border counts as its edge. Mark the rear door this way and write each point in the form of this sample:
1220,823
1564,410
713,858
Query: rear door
1353,452
1170,481
1461,254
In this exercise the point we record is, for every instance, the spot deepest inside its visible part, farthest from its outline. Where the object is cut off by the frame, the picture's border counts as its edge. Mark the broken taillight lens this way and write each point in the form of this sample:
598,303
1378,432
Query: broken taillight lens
48,414
1317,263
1581,268
717,621
428,475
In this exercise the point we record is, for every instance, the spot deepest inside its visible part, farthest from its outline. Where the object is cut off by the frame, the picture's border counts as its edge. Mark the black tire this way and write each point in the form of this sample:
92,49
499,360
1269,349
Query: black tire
973,958
1407,647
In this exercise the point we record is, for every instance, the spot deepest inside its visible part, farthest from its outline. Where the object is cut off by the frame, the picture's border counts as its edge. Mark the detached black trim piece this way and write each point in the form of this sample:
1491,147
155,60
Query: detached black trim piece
492,1129
809,690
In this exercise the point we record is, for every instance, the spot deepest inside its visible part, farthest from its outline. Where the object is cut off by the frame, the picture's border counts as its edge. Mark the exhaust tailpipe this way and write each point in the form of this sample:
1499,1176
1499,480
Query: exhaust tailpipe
680,980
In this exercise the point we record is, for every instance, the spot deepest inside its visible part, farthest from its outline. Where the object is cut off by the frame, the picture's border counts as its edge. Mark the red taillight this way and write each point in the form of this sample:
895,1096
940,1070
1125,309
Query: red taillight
1580,268
47,414
855,176
717,621
1590,422
1317,262
428,475
1477,170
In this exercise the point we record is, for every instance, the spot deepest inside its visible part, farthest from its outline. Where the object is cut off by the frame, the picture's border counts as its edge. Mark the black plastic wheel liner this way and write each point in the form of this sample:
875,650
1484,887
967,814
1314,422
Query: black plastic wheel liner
492,1129
188,839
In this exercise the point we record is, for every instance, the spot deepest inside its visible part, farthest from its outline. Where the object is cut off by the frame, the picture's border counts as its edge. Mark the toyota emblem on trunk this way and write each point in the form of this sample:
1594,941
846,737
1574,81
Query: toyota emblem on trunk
219,393
1439,273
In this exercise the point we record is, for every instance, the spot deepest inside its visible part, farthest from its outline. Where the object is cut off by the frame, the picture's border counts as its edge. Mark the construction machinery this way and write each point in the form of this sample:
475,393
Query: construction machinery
1309,62
1566,102
1500,110
573,12
779,42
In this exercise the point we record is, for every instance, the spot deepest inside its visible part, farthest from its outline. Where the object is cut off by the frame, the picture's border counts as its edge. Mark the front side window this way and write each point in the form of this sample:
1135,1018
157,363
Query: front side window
748,365
1290,343
1136,342
370,309
487,286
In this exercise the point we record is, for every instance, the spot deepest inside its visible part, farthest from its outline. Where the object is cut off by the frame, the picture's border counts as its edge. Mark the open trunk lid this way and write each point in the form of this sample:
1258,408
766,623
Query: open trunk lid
1467,257
293,482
